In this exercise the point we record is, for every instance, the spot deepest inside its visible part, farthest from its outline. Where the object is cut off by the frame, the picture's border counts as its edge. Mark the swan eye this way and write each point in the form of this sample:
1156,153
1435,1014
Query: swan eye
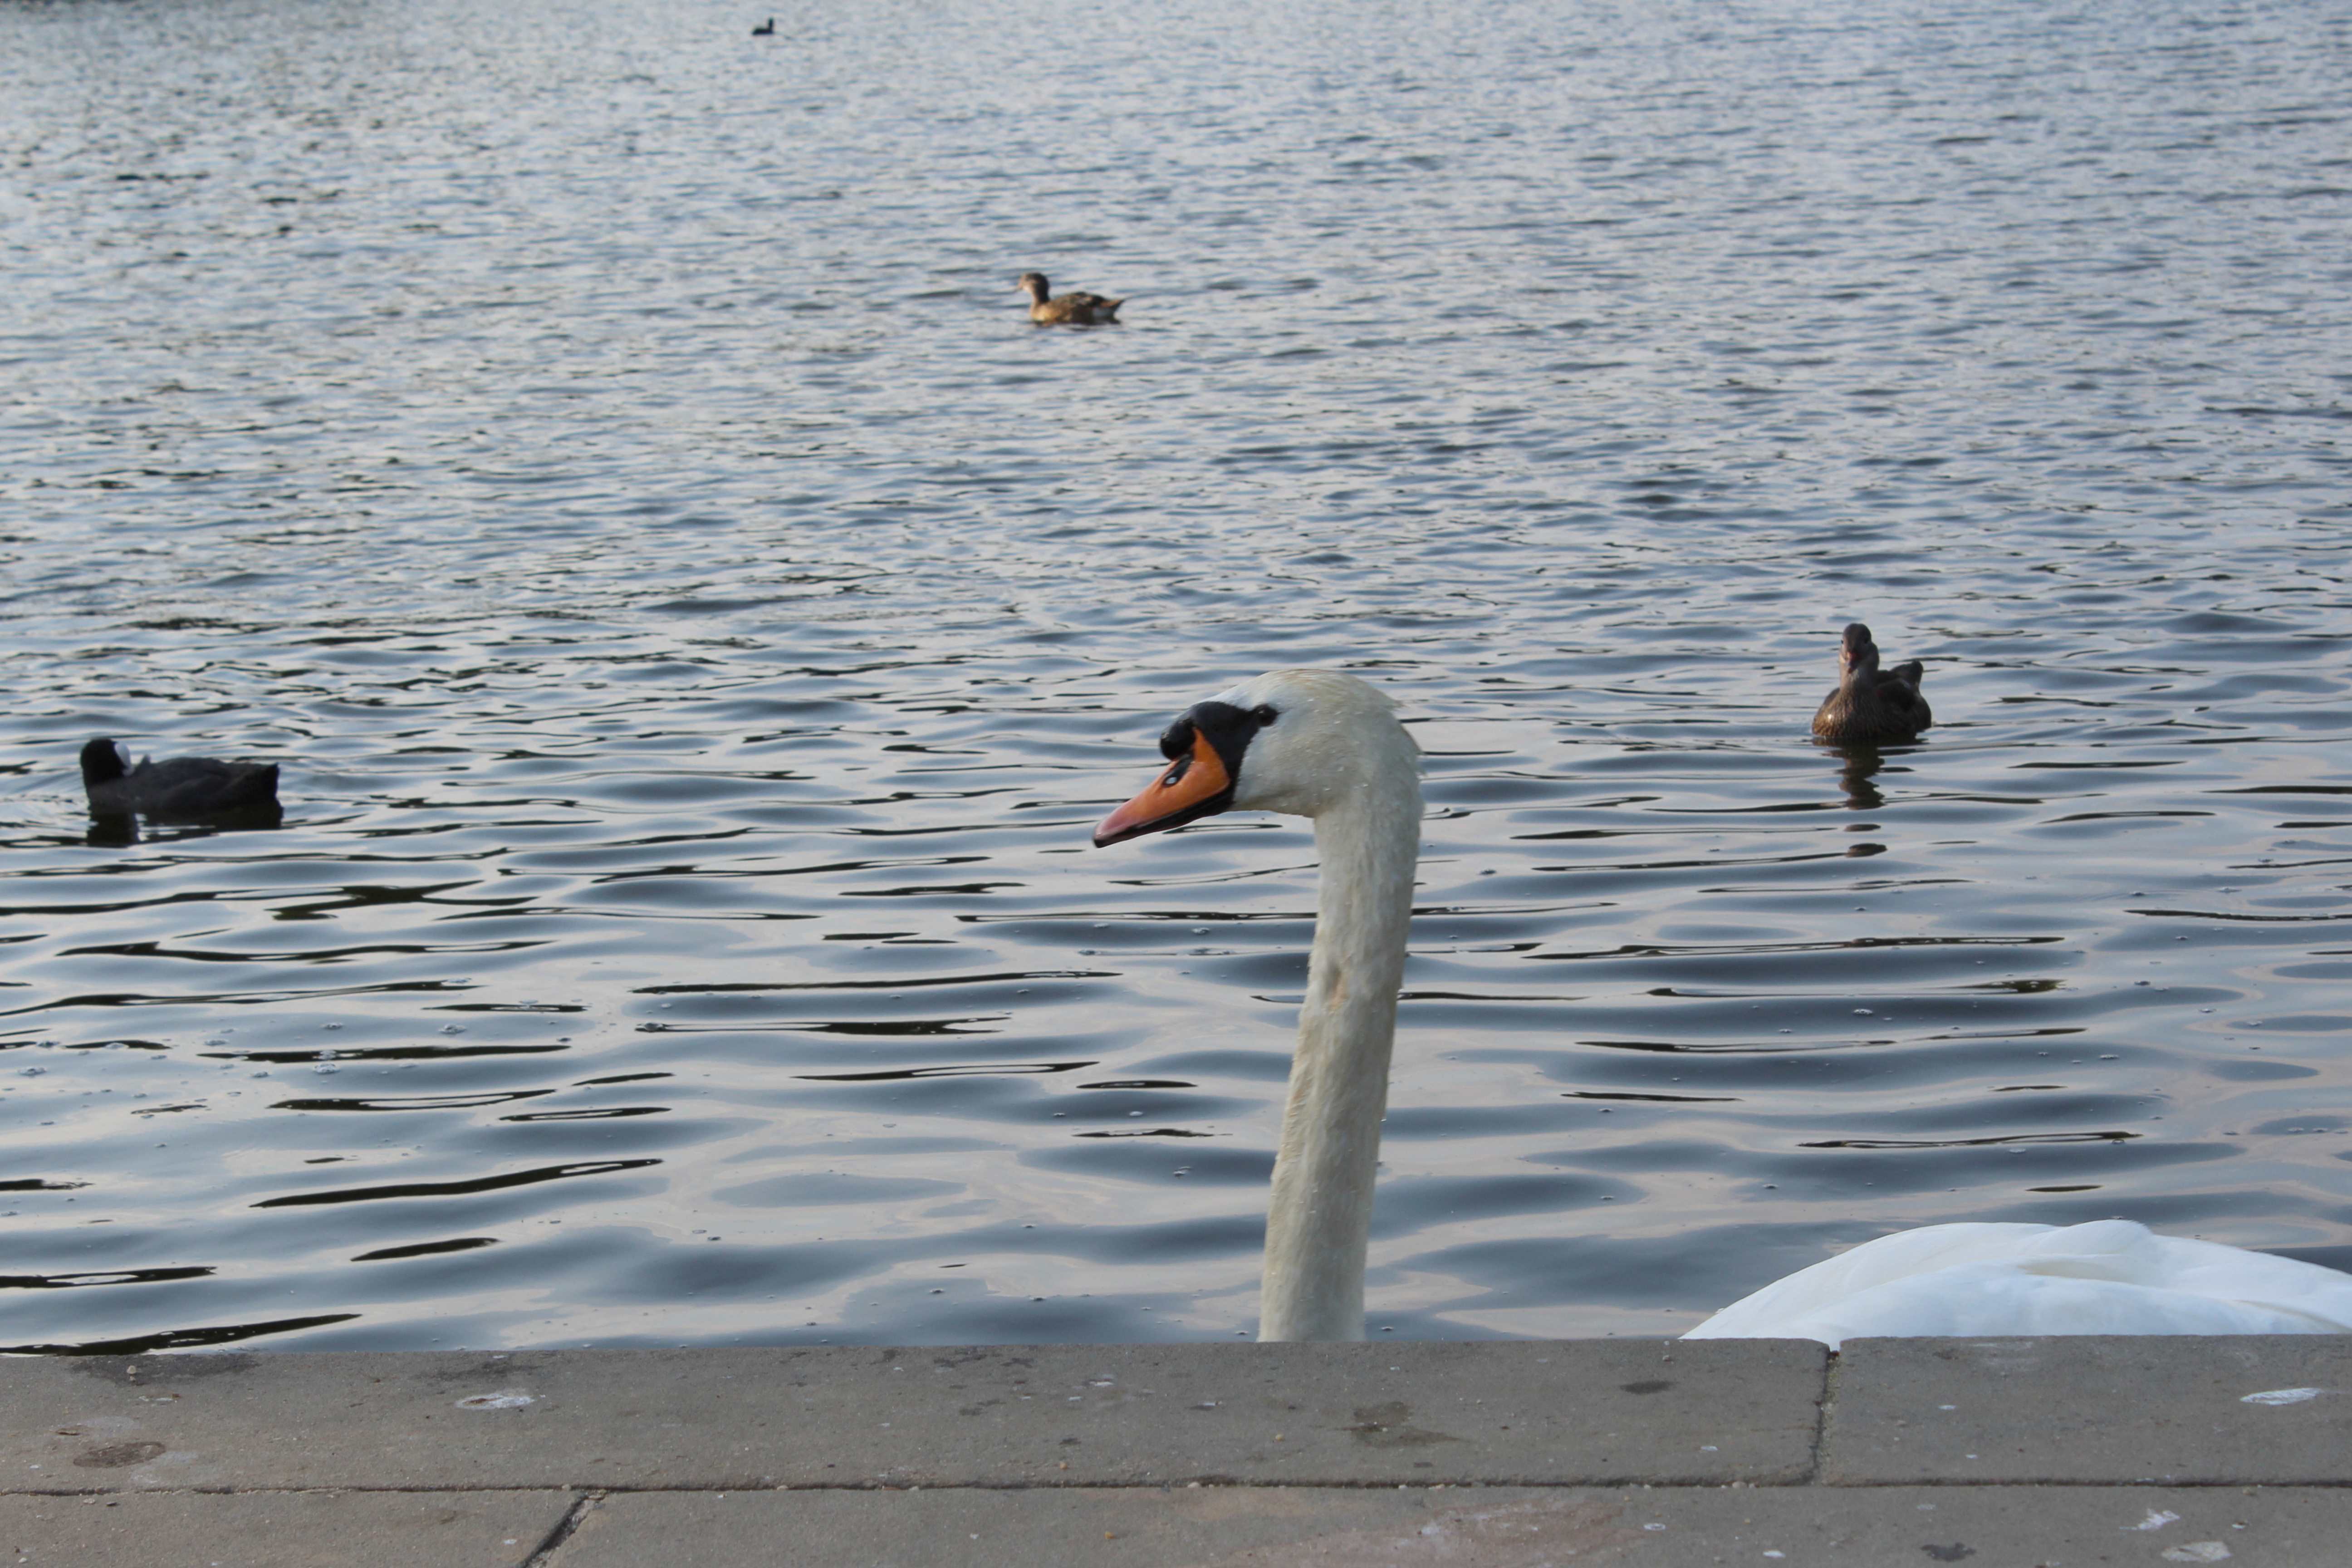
1265,714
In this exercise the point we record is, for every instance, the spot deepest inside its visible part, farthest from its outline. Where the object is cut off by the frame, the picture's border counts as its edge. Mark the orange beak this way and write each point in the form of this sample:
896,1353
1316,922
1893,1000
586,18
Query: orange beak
1184,792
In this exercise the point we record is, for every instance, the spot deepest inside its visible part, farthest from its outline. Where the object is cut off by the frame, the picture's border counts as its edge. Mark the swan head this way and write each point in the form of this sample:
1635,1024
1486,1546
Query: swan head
1856,652
1303,742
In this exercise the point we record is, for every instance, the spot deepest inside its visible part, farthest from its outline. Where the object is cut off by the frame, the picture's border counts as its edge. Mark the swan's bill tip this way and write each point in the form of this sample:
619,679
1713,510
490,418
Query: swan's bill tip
1191,787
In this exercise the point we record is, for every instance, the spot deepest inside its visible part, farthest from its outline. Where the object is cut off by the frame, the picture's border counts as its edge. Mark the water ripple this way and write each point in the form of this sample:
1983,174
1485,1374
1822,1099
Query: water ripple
701,621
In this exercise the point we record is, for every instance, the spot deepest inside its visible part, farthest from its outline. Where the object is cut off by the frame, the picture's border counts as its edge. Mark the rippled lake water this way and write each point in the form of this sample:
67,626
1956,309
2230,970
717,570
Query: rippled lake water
604,457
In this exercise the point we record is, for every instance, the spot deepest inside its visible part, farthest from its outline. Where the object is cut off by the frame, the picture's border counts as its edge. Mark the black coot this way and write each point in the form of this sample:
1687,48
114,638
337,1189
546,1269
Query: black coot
178,788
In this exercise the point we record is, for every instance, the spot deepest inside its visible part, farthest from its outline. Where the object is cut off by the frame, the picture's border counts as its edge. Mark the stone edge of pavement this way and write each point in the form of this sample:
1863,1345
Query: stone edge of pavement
1219,1456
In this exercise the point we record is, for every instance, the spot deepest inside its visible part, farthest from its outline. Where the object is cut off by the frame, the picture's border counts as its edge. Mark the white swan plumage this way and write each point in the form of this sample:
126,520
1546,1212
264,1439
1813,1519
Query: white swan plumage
2103,1277
1326,746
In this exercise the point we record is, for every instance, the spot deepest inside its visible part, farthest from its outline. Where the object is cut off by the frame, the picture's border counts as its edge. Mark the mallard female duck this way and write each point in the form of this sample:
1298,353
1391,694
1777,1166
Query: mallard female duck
1870,704
1069,310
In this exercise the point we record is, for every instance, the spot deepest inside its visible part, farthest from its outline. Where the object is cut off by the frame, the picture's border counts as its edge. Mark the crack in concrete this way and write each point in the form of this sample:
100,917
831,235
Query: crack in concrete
565,1528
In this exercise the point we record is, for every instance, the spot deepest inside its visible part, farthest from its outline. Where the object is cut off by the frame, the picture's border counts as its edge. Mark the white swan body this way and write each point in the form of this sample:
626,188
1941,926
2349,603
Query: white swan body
1324,745
2107,1277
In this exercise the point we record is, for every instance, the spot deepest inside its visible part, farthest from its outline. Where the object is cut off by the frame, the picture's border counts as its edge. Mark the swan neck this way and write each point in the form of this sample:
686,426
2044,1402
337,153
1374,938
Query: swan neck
1318,1219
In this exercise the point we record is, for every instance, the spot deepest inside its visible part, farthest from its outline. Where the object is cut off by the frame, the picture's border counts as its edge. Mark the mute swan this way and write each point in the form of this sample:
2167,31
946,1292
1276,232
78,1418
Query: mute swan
1324,745
182,788
1870,704
1069,310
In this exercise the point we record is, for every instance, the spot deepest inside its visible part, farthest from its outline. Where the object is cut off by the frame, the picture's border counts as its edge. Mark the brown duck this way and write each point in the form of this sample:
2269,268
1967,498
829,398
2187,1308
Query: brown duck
1069,310
1871,703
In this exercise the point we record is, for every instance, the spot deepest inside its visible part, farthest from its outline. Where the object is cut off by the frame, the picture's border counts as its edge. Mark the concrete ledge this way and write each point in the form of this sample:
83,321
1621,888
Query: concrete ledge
2274,1409
1495,1455
1550,1413
1501,1528
280,1530
1209,1527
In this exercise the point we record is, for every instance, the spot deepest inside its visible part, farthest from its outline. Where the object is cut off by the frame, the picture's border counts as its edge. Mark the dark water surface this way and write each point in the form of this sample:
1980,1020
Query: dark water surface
605,458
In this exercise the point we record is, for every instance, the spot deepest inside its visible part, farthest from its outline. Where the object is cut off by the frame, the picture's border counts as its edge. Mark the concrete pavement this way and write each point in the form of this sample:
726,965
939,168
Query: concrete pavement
1491,1454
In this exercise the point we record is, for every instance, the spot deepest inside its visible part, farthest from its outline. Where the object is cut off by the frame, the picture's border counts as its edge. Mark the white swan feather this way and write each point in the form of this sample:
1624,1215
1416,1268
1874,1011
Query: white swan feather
2107,1277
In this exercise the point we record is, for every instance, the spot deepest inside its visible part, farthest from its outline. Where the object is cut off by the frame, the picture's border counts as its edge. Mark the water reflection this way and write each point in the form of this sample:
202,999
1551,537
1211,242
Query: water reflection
114,830
1859,762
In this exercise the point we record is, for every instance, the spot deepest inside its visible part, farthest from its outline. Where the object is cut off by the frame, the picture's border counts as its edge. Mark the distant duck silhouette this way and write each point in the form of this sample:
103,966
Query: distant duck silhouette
182,789
1069,310
1871,703
766,29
